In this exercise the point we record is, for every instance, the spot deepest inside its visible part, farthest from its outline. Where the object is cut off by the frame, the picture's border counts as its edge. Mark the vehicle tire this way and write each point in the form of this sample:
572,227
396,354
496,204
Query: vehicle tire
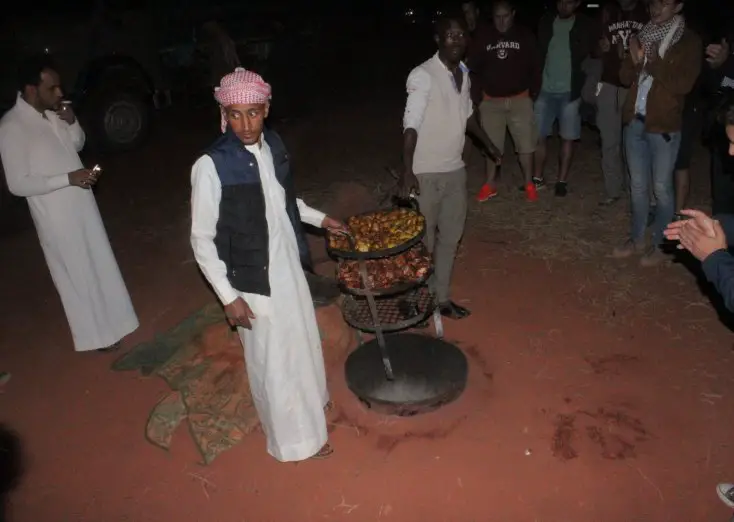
119,120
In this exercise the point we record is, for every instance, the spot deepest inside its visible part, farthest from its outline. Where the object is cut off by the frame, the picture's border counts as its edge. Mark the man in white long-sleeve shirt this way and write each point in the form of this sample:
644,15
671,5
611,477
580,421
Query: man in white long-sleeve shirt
40,139
438,113
248,240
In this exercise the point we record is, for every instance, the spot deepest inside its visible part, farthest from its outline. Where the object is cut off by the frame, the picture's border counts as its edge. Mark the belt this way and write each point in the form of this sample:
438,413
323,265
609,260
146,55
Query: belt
666,135
523,94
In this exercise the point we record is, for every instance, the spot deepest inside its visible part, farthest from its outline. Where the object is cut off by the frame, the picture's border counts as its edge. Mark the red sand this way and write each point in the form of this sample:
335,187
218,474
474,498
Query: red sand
565,418
625,406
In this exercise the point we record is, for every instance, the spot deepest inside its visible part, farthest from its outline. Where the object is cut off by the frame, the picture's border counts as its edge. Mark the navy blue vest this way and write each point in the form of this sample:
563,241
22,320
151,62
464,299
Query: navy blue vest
242,228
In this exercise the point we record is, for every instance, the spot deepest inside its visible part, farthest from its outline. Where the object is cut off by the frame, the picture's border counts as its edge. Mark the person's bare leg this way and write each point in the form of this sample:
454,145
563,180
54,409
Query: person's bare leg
494,122
491,173
682,188
526,164
540,155
567,149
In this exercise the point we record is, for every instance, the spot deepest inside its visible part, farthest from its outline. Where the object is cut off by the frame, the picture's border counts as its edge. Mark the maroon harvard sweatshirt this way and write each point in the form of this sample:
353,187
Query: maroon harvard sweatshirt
504,64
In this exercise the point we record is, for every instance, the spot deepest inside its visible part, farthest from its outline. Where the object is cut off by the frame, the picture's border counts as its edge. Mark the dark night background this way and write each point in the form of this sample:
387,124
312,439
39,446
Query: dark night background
116,56
338,40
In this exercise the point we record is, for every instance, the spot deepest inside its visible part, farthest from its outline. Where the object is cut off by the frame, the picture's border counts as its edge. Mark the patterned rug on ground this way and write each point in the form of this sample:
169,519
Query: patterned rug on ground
202,361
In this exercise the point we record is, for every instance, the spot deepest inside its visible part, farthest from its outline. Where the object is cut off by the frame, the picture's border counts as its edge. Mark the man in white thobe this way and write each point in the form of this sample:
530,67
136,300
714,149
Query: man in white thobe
39,143
247,239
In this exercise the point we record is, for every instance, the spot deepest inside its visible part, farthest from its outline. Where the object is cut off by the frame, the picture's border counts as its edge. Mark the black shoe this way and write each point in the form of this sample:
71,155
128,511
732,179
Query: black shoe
561,189
453,311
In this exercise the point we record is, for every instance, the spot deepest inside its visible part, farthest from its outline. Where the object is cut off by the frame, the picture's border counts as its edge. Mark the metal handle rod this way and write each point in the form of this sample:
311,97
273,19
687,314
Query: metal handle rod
438,323
373,311
376,319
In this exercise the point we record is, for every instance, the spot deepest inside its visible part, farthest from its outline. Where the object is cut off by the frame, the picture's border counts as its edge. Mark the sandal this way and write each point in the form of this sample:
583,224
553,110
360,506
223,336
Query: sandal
111,348
726,494
324,453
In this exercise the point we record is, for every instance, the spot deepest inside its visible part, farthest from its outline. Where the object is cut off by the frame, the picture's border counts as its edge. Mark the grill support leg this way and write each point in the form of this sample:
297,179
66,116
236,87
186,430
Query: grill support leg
438,322
376,320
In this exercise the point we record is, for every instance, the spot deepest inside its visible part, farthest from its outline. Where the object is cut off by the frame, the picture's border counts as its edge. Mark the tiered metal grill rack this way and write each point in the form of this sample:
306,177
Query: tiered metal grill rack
418,372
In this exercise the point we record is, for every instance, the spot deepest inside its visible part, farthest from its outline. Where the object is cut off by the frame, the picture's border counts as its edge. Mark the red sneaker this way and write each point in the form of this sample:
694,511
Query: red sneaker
486,193
531,191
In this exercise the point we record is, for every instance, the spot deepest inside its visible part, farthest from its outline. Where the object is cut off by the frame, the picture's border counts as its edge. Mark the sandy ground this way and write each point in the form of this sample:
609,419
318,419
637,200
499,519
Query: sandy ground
597,390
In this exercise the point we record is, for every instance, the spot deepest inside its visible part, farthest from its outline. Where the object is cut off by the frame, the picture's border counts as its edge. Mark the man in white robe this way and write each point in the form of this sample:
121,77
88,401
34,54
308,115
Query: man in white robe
247,238
39,143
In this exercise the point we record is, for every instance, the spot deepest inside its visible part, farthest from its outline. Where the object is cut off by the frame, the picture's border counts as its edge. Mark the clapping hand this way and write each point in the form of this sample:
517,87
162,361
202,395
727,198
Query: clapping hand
717,54
636,50
701,235
697,219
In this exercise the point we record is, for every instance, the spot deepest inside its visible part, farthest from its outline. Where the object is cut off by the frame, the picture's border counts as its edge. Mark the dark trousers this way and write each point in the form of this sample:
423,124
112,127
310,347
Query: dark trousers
722,178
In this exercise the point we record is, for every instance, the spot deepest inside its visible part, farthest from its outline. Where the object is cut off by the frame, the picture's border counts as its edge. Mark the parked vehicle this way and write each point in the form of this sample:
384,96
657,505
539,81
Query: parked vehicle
119,60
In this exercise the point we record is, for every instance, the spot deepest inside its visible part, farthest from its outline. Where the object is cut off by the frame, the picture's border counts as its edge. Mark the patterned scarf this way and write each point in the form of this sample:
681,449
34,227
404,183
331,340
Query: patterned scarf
652,34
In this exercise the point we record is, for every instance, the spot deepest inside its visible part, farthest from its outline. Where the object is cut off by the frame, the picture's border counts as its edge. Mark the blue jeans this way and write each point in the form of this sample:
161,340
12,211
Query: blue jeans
648,152
550,107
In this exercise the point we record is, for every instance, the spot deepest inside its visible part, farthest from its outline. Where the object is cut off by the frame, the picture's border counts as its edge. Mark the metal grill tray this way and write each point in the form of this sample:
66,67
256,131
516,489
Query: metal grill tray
397,288
393,313
376,254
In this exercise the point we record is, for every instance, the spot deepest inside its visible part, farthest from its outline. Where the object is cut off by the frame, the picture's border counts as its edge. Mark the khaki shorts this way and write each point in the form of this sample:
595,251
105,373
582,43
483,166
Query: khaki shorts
517,114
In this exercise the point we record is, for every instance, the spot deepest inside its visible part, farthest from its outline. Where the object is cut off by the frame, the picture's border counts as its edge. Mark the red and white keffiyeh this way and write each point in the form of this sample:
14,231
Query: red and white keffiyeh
241,87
